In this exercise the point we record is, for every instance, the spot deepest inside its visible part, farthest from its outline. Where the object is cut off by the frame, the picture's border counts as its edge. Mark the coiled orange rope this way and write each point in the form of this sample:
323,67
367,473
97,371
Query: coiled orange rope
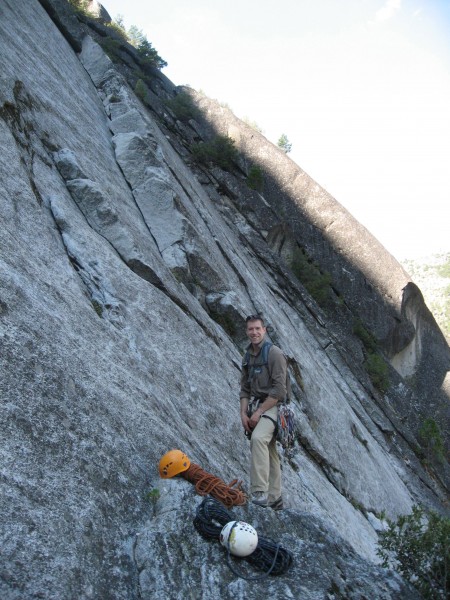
205,483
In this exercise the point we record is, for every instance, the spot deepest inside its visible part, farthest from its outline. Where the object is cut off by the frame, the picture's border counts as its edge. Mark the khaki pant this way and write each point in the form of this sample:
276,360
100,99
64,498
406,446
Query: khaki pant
265,472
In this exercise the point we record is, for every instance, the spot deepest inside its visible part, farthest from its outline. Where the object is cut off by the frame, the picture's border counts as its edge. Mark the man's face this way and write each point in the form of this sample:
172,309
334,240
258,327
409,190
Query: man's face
255,331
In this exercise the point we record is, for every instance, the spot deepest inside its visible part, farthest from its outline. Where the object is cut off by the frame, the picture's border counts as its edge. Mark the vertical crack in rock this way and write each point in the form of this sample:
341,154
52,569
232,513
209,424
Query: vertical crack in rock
19,119
98,289
101,215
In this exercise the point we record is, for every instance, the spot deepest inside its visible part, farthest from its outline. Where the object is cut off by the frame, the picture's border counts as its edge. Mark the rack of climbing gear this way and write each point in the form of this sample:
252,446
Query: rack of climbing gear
285,430
213,521
175,462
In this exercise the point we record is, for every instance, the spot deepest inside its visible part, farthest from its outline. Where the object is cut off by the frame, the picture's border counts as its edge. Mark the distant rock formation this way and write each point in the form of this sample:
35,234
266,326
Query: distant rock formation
432,275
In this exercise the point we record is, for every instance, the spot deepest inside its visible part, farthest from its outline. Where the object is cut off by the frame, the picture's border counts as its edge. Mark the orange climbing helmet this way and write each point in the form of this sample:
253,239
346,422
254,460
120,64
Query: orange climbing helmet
173,463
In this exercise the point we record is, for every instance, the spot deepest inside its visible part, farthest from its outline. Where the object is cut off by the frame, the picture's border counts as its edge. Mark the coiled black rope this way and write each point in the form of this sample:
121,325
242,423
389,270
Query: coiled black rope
268,556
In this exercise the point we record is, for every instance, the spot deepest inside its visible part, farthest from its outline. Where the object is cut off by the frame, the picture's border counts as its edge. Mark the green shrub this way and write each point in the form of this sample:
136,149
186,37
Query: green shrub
253,124
320,289
140,89
418,547
444,318
149,56
367,338
317,282
255,178
111,46
374,363
184,107
139,74
431,438
135,36
152,496
119,28
444,270
378,371
225,321
284,143
221,151
97,307
81,6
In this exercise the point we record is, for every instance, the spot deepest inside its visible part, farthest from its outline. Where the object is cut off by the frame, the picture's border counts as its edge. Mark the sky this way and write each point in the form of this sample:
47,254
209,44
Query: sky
361,88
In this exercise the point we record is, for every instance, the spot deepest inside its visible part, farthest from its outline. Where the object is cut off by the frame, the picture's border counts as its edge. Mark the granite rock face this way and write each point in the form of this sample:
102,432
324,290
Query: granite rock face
323,566
127,271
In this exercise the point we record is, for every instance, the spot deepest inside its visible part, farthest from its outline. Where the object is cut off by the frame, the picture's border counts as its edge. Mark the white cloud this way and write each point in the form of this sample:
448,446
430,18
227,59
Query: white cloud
388,10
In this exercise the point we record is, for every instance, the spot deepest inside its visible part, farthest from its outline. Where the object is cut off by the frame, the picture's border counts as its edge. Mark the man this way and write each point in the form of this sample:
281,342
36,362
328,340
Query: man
263,386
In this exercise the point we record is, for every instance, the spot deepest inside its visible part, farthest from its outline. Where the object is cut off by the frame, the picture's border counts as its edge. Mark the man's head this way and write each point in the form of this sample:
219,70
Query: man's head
256,329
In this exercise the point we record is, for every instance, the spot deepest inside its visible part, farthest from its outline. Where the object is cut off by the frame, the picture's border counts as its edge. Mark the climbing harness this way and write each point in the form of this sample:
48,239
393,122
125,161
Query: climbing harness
268,556
175,462
285,423
205,483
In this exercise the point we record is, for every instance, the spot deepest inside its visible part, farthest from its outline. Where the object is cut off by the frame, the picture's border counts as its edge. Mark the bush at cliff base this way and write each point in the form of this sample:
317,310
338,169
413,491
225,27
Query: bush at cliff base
418,547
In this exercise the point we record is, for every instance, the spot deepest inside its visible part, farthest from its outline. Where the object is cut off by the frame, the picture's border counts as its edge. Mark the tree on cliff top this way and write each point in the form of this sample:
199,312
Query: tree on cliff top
284,143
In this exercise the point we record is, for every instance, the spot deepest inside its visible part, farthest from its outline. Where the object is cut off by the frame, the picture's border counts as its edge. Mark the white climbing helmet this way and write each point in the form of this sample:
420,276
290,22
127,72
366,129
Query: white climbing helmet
239,538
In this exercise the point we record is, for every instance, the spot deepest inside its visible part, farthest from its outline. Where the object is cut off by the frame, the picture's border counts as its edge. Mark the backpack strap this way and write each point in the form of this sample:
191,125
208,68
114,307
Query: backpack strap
261,360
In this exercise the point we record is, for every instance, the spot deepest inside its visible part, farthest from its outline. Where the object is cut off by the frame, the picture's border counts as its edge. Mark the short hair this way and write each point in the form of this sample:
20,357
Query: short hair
256,317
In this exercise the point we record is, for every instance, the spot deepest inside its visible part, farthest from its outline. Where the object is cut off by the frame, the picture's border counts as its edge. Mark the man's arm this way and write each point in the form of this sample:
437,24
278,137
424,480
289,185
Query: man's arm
244,418
278,374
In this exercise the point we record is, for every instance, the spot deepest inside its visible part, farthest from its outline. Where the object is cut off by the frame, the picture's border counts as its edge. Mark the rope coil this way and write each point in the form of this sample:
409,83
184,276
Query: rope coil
268,556
205,483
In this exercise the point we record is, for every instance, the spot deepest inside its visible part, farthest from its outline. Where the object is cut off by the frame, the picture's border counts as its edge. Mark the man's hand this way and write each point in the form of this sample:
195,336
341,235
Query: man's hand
254,419
244,417
268,403
246,423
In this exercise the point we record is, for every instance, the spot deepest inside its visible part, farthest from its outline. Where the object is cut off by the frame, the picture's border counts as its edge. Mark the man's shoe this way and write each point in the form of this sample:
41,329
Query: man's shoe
277,504
260,499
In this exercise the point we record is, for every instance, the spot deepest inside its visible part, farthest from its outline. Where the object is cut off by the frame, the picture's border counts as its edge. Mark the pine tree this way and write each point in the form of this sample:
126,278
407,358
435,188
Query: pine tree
284,143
